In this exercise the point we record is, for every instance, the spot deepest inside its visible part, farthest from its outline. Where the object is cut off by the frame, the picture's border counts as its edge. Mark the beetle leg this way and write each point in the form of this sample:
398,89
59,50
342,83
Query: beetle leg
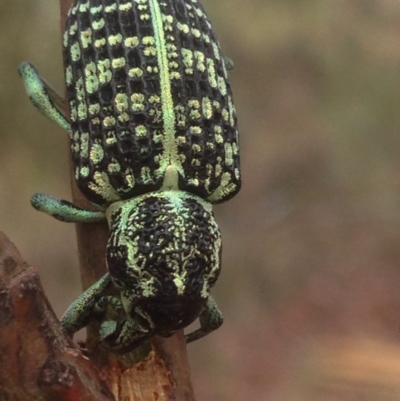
80,312
210,319
65,211
42,95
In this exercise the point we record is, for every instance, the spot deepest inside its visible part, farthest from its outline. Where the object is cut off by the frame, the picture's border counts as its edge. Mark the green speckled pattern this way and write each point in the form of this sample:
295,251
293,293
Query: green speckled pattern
164,245
148,91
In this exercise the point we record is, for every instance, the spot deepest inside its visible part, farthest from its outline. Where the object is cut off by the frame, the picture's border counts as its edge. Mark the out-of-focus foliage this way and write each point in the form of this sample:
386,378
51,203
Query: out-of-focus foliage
310,286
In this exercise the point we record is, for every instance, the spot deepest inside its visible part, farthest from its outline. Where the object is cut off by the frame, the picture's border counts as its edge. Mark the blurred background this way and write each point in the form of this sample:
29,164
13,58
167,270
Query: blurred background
310,287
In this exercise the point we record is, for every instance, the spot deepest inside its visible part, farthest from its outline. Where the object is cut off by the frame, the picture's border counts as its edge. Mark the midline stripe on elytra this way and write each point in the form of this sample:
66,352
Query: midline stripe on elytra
170,155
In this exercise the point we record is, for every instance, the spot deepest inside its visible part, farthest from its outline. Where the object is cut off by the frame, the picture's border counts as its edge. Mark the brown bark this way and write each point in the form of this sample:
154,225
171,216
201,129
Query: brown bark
37,360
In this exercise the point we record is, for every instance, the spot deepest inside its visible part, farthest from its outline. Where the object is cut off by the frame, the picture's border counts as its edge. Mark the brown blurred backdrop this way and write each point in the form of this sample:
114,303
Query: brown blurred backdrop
310,287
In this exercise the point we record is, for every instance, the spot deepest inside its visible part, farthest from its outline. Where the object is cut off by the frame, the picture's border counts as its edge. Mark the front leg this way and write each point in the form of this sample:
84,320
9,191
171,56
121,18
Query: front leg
210,319
65,211
42,95
118,331
80,312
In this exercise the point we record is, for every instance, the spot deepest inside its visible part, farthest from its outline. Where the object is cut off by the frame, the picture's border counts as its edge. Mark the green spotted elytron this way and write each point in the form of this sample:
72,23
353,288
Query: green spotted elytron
154,144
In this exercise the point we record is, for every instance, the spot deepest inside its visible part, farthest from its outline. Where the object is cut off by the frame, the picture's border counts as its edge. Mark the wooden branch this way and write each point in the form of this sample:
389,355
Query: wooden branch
163,373
37,360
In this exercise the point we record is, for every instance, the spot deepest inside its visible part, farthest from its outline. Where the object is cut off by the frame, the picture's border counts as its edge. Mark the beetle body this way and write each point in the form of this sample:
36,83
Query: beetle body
154,143
148,90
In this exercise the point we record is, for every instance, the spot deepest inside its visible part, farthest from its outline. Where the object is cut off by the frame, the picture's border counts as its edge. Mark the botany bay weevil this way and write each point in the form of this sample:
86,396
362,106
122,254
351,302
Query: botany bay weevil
154,144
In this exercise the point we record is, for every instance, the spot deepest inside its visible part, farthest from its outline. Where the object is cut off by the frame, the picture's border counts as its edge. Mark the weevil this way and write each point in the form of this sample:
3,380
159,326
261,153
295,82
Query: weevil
154,144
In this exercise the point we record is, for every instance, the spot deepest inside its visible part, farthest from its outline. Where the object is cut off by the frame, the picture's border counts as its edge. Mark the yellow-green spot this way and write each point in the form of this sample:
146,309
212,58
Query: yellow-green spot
196,33
150,51
84,7
206,38
195,130
218,137
132,41
212,78
111,138
235,148
121,102
96,10
75,51
74,9
137,101
174,75
102,187
114,167
200,61
158,137
218,170
100,42
135,72
84,151
171,47
154,99
168,18
73,28
84,172
125,7
86,38
145,175
73,110
94,108
228,154
225,187
129,178
82,111
119,62
151,69
91,80
105,73
68,75
194,181
222,85
216,51
196,148
187,57
96,153
195,114
111,8
194,103
207,107
141,130
124,117
183,27
97,25
148,40
199,12
109,121
115,39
